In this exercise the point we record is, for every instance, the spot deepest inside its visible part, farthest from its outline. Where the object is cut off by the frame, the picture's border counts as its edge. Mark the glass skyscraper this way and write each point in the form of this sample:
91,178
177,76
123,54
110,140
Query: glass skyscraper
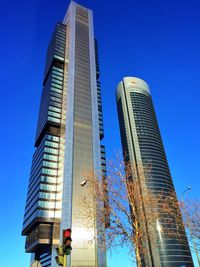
68,143
142,145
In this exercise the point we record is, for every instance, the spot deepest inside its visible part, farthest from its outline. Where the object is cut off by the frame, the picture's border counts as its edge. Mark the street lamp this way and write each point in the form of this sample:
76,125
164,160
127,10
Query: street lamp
83,183
194,244
187,189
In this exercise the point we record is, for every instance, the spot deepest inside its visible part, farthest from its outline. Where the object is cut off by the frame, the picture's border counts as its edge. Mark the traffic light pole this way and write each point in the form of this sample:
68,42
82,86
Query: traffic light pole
65,261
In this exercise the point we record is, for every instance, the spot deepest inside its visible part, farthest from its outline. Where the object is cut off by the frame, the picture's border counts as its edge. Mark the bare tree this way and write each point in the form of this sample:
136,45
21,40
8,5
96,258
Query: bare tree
190,210
133,215
129,215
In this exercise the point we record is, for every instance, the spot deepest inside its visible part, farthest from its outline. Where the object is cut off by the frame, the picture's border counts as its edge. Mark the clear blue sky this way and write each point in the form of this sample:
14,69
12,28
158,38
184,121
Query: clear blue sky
158,41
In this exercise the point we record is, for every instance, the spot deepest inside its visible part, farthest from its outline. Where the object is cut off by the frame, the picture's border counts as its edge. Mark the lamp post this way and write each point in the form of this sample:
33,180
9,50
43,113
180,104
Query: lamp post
187,189
194,244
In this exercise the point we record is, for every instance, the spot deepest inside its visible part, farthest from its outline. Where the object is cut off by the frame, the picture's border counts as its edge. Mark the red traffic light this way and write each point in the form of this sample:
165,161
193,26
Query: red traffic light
67,233
67,241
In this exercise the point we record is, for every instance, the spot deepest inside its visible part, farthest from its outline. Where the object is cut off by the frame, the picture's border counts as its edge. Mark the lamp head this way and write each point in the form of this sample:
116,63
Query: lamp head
83,183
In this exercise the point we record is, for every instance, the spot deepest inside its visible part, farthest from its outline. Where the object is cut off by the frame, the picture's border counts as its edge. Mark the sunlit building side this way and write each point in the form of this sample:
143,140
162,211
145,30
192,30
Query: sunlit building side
68,143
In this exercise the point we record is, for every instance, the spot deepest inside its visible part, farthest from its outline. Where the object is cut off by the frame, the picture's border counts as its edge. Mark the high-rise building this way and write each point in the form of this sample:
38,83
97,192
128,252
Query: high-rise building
142,145
68,143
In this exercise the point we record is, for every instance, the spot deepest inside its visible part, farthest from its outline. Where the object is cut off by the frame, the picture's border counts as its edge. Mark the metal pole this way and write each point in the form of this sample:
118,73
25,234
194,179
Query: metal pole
65,261
192,239
188,188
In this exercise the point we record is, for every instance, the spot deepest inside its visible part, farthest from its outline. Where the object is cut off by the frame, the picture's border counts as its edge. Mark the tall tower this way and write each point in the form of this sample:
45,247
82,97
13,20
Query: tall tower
68,143
142,145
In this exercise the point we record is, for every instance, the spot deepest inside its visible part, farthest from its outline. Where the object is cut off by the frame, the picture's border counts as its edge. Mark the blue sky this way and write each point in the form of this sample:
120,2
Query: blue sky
157,41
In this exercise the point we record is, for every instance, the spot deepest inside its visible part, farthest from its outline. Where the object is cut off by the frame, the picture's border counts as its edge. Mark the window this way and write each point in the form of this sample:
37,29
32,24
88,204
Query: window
51,144
53,119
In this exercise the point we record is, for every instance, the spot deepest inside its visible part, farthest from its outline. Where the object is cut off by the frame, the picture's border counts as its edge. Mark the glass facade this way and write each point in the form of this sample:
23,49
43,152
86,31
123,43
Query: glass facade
142,144
68,143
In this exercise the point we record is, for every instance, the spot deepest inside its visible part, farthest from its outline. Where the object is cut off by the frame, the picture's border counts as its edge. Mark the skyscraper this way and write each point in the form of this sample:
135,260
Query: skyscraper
142,145
68,142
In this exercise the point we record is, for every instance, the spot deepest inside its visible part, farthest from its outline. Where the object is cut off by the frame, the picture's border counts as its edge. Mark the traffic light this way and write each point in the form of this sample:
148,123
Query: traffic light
60,258
67,241
65,249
